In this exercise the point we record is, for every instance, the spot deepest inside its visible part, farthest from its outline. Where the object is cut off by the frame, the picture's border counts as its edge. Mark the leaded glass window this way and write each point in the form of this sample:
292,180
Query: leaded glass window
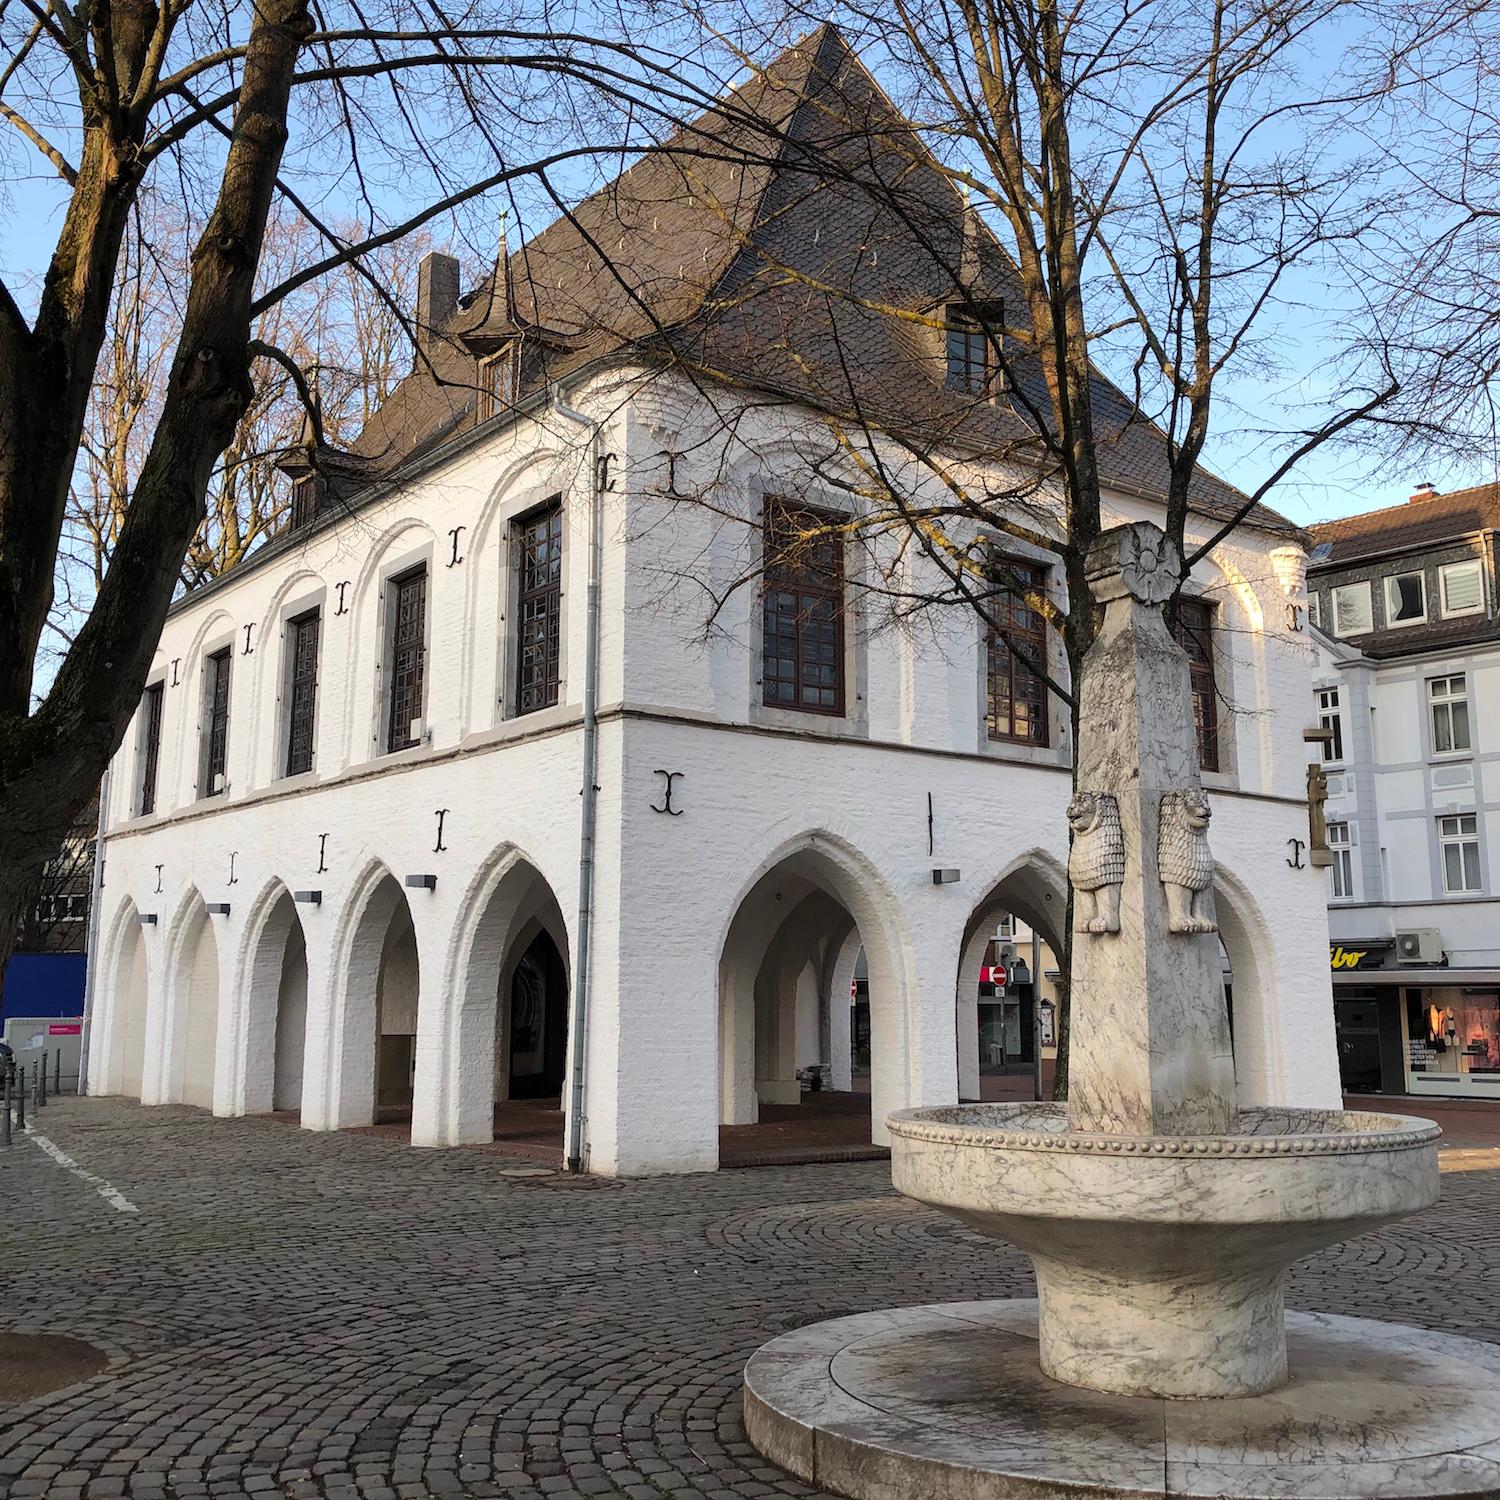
408,598
802,637
539,640
216,701
151,708
1017,699
1195,634
302,692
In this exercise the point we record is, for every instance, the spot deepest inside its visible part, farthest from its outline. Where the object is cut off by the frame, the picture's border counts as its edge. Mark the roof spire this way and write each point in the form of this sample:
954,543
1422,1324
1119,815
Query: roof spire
308,436
506,285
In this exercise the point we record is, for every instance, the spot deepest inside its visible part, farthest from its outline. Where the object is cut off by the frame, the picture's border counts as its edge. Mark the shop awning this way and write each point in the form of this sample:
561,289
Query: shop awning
1417,976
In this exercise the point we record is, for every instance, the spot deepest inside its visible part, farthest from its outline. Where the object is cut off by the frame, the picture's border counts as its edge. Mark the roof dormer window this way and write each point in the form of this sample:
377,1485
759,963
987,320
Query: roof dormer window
307,494
497,382
970,360
1405,599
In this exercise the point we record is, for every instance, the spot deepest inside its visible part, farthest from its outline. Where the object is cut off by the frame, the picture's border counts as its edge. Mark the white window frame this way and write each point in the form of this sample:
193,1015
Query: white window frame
1440,706
1460,838
1353,588
1391,621
1341,870
1314,609
1331,716
1471,564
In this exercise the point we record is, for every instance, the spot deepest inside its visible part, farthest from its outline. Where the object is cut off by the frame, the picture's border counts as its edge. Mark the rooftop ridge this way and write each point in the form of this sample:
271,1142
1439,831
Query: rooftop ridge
1402,507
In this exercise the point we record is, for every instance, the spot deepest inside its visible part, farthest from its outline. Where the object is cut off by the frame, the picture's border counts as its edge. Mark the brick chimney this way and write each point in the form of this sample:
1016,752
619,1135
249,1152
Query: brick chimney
1423,491
437,296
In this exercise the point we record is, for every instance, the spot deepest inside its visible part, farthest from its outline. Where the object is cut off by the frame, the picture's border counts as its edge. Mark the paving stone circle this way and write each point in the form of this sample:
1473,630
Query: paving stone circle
340,1317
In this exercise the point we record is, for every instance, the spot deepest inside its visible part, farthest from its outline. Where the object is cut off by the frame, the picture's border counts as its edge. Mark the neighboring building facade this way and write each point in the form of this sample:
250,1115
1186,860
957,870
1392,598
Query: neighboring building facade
1407,687
347,850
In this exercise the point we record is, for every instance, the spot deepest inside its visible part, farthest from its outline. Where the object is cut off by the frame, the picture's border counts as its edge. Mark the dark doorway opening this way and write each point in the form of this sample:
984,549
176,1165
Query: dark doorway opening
538,1022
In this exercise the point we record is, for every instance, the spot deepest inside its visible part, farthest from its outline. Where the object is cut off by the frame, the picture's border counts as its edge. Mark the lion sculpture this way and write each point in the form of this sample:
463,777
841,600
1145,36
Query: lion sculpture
1096,862
1183,860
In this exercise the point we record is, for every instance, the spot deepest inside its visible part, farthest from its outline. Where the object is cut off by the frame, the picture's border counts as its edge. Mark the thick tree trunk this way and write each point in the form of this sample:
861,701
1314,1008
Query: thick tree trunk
51,761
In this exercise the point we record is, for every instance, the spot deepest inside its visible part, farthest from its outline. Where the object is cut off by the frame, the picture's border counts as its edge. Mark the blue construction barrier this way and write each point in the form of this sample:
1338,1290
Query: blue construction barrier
43,984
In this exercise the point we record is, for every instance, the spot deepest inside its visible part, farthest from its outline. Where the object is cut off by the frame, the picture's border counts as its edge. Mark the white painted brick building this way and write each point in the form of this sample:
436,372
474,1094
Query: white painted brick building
397,925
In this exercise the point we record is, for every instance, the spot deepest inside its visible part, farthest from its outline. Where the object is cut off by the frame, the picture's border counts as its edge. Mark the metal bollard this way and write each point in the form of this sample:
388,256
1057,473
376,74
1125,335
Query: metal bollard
57,1072
41,1081
5,1124
21,1102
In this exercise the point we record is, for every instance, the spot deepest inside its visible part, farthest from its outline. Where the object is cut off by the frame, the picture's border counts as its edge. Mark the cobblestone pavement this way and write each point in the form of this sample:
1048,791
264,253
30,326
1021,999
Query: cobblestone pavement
340,1316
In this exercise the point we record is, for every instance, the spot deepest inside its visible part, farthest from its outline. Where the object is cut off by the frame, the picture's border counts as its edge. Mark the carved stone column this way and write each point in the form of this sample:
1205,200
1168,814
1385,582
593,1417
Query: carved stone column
1150,1039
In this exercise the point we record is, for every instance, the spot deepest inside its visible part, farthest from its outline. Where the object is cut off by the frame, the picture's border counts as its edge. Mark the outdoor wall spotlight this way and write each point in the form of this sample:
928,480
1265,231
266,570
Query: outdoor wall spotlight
945,877
146,918
421,882
308,898
217,908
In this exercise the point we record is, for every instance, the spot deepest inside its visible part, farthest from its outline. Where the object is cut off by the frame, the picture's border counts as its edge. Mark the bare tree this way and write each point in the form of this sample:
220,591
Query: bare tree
1432,275
1064,195
234,109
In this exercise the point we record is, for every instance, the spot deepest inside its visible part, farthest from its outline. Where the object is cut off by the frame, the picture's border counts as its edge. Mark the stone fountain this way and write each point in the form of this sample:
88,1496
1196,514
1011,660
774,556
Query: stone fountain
1161,1217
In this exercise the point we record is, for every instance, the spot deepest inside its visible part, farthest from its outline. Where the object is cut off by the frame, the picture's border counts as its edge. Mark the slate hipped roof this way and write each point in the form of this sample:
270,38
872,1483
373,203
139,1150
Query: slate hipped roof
735,252
1421,522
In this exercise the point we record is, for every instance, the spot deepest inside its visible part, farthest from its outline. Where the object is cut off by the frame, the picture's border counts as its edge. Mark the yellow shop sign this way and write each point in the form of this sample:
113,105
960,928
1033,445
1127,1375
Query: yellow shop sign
1340,957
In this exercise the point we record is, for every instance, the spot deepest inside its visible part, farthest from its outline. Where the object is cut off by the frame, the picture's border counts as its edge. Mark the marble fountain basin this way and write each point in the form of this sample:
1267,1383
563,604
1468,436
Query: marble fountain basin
1161,1260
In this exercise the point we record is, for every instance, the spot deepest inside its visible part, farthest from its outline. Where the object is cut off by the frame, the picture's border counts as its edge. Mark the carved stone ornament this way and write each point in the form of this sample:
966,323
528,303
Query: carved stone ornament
1136,560
1096,861
1184,861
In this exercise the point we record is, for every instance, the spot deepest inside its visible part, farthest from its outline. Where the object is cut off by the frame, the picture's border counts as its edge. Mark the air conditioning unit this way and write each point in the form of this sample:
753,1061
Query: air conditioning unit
1421,945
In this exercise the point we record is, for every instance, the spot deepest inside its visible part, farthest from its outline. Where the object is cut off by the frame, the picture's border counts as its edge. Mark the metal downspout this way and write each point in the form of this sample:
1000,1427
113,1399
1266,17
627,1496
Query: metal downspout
96,887
578,1023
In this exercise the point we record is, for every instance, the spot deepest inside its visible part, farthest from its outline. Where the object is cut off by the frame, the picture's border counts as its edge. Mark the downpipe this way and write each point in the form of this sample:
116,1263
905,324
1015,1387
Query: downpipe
578,1023
91,944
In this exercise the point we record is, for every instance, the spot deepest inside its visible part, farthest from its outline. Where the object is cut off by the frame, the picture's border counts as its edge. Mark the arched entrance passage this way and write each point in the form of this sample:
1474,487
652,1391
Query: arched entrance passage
536,1027
129,995
1250,984
275,1025
1004,1033
786,973
508,1058
193,992
377,984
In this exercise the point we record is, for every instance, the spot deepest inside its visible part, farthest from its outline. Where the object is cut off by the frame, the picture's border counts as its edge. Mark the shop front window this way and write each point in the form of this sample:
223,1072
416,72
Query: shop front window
1454,1033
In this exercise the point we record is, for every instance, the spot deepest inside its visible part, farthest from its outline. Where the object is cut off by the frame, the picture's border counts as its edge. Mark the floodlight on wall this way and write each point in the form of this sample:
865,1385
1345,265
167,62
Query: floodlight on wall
146,918
217,908
421,882
308,898
945,877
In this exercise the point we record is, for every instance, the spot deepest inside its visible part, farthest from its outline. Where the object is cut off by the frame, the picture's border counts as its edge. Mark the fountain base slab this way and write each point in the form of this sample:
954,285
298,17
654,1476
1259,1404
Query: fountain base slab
949,1402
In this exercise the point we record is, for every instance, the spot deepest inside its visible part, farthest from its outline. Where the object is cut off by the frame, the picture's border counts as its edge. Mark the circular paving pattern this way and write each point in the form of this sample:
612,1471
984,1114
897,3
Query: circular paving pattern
304,1316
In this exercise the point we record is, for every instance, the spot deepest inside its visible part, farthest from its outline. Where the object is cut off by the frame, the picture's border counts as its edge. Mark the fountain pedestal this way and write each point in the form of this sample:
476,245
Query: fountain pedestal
1161,1219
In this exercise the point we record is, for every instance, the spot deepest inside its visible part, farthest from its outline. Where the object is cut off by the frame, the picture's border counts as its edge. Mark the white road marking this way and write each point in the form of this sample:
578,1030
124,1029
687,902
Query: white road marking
106,1190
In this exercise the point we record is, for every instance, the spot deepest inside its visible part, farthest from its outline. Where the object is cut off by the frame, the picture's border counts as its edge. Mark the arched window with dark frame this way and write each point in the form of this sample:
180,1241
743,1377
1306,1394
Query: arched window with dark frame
1195,634
539,543
1016,709
802,609
151,709
216,669
408,655
301,690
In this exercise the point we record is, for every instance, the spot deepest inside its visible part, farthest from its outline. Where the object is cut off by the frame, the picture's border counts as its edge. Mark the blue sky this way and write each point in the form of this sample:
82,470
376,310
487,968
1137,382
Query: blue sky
1332,482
